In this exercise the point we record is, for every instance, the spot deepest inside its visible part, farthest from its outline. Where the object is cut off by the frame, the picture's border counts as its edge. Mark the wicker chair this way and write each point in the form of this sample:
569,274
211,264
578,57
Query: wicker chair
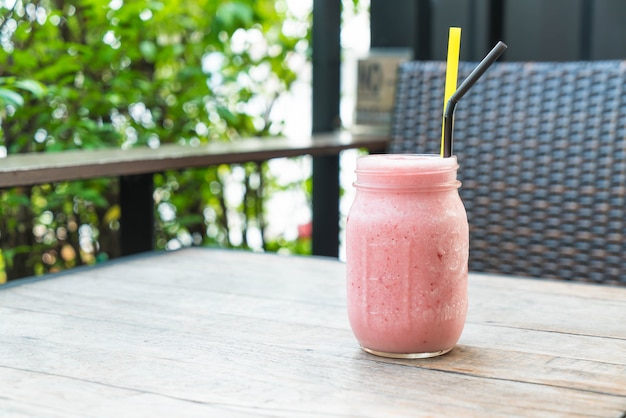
542,149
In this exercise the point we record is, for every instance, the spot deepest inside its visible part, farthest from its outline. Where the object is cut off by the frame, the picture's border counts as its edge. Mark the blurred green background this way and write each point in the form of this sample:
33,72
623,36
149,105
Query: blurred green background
95,73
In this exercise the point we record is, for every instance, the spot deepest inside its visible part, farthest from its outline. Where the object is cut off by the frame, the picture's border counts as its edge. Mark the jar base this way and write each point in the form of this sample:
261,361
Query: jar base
407,355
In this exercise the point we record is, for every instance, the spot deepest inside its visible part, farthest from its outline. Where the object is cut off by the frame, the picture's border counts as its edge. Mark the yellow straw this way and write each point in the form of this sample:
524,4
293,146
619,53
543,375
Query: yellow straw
452,69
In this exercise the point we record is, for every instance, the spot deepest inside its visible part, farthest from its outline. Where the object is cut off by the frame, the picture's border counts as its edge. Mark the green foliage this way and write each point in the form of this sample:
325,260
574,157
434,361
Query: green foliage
136,73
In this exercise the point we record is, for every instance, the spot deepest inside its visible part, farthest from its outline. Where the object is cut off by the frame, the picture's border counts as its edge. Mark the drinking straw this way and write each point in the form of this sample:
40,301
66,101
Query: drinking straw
471,79
452,70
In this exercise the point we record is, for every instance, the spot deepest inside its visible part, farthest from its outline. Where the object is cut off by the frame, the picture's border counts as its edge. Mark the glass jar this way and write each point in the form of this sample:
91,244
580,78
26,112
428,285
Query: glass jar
407,247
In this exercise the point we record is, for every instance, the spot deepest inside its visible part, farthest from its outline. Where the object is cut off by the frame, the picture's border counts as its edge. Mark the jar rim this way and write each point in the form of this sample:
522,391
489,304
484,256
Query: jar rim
405,164
406,172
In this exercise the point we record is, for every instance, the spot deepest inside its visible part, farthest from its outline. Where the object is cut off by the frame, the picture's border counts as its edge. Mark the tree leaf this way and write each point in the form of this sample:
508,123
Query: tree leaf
35,87
9,97
148,50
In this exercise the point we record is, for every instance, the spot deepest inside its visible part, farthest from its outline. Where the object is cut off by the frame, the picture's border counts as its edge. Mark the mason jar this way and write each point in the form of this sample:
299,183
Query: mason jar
407,245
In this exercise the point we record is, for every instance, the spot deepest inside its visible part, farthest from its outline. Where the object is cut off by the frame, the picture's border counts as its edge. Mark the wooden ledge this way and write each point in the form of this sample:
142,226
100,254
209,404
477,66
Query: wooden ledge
37,168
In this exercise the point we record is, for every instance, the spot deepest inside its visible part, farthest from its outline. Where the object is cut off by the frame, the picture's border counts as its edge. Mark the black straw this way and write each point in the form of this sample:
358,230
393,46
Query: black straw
471,79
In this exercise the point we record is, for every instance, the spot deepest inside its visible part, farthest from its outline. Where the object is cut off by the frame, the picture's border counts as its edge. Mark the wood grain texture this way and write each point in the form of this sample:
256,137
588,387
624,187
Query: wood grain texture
35,168
202,332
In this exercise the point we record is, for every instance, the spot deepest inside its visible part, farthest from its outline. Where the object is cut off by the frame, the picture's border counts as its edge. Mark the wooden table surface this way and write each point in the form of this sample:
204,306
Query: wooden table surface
202,333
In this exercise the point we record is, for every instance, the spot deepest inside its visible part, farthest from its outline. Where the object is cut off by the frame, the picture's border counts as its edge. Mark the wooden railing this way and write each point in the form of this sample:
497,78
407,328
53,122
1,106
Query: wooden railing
135,168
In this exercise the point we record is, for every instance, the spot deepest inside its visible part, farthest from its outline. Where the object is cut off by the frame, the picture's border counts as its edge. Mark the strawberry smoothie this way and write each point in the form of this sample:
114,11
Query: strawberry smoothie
407,245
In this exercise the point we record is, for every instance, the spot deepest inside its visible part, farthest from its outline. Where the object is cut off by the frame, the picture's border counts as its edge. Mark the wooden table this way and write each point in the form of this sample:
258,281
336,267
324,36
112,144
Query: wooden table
202,332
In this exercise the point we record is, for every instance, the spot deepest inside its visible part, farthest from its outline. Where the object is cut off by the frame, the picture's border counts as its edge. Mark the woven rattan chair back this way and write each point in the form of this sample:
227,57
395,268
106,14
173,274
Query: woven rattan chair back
542,150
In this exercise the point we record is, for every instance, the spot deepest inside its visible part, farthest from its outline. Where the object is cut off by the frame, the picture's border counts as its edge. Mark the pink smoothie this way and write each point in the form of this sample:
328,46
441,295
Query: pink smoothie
407,252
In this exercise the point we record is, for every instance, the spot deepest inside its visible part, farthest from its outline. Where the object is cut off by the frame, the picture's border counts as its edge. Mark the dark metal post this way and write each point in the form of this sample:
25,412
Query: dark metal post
586,29
326,96
496,21
137,220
